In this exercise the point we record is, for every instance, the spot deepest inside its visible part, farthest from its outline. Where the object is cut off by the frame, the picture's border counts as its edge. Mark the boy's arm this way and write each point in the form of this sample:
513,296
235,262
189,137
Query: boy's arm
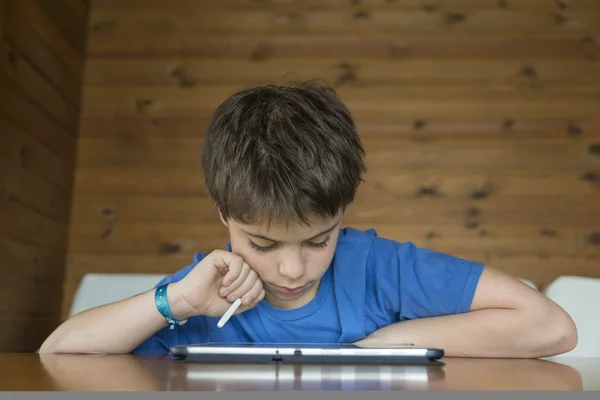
507,319
122,326
114,328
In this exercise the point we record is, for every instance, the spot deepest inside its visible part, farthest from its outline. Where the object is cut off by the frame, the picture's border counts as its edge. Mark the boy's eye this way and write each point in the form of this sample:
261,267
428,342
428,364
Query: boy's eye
320,245
261,248
265,249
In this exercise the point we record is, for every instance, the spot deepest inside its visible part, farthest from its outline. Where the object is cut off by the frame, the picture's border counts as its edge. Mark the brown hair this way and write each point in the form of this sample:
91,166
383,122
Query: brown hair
282,153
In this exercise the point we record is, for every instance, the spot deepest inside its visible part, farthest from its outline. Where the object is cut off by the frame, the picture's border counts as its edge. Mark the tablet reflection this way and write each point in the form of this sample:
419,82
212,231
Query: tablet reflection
304,377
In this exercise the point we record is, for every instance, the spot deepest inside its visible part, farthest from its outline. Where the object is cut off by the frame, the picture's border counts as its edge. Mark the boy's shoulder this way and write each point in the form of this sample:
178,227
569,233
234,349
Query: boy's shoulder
354,240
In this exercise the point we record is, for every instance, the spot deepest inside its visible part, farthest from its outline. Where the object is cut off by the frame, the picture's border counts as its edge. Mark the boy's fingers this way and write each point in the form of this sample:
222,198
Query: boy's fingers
260,296
245,287
235,279
252,294
234,268
225,262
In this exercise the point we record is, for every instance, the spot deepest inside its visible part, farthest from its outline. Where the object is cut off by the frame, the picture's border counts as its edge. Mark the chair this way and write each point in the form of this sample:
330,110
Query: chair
580,297
99,289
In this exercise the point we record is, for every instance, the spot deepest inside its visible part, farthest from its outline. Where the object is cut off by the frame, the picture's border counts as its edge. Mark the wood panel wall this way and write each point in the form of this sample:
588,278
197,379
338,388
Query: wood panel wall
41,67
480,119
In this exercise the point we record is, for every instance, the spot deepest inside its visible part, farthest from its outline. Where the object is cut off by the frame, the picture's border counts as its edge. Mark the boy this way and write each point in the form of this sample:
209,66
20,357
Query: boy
282,164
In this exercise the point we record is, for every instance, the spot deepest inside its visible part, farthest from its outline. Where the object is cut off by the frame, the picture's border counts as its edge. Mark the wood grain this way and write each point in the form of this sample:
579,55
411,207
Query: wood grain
380,46
31,331
70,19
40,80
48,27
187,72
42,92
22,34
3,14
25,188
172,21
409,5
22,149
27,115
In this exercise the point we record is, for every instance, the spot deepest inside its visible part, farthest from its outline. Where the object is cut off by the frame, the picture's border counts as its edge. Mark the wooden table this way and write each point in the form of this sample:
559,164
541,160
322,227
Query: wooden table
31,372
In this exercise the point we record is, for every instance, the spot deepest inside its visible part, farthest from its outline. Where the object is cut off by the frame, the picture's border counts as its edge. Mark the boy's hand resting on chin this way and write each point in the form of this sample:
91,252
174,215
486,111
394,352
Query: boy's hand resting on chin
213,284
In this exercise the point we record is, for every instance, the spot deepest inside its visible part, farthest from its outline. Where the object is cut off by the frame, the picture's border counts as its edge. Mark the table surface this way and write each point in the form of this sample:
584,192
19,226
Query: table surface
32,372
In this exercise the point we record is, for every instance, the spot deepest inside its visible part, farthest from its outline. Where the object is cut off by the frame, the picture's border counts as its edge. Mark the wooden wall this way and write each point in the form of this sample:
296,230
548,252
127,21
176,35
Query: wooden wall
41,67
480,119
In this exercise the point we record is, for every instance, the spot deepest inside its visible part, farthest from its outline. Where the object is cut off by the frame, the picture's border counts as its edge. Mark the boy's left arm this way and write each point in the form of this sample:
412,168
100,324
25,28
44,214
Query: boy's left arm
507,318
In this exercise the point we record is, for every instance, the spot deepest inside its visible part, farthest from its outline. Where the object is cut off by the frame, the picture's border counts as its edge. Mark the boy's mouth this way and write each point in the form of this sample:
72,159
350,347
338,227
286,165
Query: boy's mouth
287,290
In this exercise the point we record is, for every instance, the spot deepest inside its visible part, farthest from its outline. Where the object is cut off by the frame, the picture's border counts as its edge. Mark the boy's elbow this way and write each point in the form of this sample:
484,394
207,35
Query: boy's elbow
567,337
561,333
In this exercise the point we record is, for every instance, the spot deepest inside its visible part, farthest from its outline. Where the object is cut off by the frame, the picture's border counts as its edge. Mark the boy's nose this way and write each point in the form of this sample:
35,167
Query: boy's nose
292,267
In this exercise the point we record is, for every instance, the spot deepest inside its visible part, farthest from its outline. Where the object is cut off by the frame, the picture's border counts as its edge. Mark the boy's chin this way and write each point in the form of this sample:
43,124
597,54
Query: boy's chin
291,301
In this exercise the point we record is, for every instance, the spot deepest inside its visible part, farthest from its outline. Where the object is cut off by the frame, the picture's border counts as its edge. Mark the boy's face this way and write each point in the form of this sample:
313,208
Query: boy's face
290,260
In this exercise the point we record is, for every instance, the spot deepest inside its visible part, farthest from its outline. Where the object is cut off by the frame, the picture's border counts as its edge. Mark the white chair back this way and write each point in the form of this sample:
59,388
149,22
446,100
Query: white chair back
100,289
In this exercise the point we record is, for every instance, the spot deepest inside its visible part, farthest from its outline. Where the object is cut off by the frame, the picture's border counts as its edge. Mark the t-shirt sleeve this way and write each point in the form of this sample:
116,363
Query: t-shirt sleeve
431,283
161,341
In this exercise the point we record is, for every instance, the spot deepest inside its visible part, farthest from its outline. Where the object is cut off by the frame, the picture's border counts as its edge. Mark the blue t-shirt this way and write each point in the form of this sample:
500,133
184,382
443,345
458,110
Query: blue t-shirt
372,282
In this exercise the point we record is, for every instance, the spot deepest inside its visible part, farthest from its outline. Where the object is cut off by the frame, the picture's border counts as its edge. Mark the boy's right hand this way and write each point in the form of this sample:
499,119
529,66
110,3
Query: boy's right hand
213,285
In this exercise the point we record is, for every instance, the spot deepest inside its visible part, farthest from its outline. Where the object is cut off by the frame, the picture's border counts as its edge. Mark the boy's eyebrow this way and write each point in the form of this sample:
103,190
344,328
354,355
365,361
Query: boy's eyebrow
273,240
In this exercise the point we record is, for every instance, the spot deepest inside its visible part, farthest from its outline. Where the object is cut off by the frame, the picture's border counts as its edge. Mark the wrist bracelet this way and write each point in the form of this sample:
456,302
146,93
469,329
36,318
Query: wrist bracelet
162,304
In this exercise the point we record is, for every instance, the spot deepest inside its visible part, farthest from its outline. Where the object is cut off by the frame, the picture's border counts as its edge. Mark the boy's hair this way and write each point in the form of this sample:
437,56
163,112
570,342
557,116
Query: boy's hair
282,153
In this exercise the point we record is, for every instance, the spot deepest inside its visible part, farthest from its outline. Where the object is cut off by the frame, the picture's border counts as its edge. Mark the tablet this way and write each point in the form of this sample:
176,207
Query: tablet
306,353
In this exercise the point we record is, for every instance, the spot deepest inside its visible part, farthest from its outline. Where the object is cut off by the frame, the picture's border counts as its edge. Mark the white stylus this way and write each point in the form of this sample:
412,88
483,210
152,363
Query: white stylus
229,313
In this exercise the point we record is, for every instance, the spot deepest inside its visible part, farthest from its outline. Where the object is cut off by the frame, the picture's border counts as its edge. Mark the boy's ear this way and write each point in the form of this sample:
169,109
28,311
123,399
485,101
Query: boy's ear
221,216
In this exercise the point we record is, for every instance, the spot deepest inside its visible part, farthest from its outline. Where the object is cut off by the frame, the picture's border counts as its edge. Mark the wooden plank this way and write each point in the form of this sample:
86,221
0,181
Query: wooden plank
31,263
20,149
387,151
533,154
142,126
14,66
189,182
119,237
3,14
406,46
31,13
414,128
27,189
163,238
413,5
20,34
174,22
423,101
140,180
370,205
70,18
563,211
478,184
25,333
34,299
26,115
25,225
189,72
133,208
